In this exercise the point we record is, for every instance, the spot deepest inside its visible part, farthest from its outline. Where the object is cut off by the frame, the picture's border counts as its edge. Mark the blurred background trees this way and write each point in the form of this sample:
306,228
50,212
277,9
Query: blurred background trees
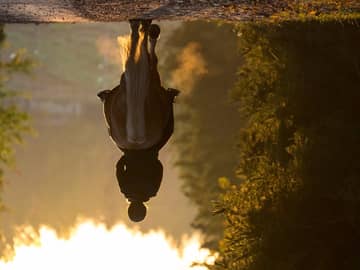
202,61
13,122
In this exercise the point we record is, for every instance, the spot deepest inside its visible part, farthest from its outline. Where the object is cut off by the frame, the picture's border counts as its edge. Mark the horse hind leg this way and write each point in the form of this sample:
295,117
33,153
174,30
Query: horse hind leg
144,30
134,37
145,24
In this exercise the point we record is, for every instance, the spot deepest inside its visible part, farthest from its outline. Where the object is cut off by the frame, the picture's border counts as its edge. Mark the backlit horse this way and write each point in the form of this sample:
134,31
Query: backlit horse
139,115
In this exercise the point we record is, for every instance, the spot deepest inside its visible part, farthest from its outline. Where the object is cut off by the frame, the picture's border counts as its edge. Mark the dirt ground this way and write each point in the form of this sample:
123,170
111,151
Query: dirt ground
45,11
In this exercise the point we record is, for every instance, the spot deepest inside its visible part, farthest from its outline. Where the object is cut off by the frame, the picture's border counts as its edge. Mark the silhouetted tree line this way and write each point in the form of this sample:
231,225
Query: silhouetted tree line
206,121
298,206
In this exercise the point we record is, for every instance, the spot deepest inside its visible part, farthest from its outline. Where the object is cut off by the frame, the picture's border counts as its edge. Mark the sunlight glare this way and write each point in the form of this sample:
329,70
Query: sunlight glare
92,246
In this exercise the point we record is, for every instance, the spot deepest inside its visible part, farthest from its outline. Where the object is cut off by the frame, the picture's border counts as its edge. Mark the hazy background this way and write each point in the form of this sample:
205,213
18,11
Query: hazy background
67,168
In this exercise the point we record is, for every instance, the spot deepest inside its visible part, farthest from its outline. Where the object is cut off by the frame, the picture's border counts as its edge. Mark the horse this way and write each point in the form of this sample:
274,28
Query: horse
139,117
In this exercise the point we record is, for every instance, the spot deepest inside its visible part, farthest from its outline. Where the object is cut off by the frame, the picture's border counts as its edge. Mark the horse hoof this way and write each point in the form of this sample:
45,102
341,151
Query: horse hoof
134,24
145,24
154,31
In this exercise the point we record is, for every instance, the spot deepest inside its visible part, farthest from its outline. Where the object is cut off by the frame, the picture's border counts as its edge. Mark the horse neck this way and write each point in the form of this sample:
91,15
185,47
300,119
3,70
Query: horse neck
150,154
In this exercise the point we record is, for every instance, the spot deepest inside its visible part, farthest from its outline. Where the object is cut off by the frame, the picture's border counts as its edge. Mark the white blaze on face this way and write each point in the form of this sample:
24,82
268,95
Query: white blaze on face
92,246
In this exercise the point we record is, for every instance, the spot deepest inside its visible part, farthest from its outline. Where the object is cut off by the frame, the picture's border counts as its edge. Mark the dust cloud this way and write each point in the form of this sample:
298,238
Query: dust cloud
109,49
191,66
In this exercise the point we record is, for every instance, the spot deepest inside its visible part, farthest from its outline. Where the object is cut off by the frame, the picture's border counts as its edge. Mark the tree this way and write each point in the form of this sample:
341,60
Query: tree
205,130
13,122
299,203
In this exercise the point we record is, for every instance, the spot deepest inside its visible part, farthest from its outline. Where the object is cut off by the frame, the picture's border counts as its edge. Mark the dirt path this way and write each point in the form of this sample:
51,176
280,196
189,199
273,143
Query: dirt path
43,11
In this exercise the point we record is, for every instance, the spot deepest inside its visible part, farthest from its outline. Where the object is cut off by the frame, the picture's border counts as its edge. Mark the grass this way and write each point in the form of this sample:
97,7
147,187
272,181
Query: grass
320,10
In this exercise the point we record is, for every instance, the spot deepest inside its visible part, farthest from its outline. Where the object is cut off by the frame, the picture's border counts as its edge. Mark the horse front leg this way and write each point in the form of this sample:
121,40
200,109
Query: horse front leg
154,32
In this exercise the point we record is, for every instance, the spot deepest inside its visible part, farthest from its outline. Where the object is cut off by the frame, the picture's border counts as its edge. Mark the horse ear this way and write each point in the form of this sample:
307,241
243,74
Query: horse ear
103,94
120,169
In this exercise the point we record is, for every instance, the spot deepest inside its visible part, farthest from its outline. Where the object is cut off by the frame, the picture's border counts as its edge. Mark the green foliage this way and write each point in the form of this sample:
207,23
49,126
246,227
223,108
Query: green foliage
205,120
299,203
320,10
13,123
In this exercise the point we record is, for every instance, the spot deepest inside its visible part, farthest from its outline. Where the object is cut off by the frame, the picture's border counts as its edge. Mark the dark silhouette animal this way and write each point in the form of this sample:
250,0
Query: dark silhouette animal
139,115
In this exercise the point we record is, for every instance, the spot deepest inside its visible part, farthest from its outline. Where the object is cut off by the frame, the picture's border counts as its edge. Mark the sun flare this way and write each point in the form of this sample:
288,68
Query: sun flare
92,246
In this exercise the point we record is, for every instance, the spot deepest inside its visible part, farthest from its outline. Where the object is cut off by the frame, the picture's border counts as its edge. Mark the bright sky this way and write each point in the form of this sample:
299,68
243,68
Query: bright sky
92,246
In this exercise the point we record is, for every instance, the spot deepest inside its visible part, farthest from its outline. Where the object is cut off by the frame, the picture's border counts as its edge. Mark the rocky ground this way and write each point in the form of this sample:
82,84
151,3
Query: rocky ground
44,11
